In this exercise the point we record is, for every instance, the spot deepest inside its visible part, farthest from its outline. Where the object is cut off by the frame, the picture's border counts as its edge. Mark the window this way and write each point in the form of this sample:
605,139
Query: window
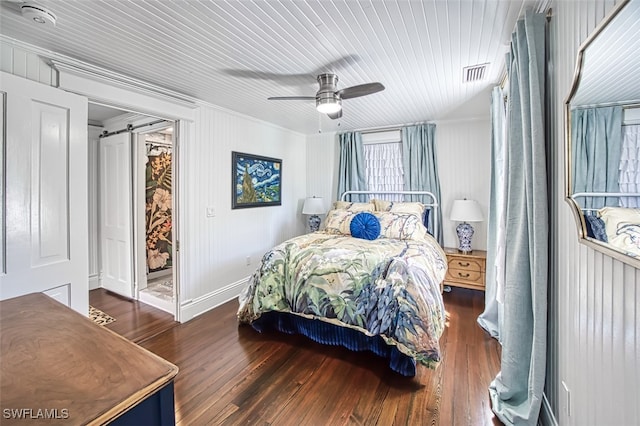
383,162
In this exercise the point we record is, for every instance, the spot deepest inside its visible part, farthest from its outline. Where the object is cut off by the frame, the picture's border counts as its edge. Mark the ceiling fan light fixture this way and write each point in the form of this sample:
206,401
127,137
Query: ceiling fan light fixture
329,98
328,105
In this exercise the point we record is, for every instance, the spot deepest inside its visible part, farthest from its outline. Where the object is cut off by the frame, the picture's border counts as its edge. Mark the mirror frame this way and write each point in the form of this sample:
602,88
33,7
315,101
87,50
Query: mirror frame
575,208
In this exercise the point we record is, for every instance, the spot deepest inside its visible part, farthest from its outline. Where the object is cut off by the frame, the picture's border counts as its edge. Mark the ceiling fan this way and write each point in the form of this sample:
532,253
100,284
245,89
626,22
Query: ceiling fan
329,98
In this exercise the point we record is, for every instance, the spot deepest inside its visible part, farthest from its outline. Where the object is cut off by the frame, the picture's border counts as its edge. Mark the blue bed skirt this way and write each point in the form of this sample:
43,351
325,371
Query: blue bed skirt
330,334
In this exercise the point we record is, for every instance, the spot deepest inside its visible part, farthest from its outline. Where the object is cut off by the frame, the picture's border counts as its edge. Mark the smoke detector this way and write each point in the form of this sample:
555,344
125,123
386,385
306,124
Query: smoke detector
38,14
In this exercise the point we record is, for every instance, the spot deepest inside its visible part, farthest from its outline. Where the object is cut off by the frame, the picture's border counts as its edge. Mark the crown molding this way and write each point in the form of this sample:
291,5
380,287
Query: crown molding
66,64
119,80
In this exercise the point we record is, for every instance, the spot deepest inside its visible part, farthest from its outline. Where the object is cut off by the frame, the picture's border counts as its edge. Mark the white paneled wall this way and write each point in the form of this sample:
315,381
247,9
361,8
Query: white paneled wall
322,167
595,334
215,249
29,65
464,167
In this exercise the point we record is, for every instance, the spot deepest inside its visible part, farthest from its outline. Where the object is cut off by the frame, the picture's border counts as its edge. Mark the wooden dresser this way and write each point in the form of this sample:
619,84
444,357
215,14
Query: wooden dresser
58,367
466,269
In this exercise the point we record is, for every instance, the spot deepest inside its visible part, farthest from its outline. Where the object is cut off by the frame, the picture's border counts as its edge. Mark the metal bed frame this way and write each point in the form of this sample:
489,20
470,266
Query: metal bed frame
601,194
432,206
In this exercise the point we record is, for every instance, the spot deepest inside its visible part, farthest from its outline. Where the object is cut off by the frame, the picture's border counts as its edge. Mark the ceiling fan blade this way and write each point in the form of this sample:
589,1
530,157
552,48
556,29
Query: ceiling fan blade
335,115
360,90
292,98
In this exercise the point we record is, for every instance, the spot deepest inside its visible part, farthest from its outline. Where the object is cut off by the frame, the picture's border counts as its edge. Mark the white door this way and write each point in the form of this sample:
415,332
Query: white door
115,194
45,232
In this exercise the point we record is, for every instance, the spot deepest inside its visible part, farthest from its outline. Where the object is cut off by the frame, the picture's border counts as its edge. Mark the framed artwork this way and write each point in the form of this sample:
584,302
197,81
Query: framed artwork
256,181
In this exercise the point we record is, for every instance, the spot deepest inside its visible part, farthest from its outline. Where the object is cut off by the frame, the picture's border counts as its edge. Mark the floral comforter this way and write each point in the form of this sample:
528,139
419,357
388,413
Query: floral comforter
384,287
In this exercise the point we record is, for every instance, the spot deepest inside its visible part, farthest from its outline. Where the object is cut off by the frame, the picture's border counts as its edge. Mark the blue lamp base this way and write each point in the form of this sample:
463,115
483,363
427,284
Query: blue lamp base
314,223
465,232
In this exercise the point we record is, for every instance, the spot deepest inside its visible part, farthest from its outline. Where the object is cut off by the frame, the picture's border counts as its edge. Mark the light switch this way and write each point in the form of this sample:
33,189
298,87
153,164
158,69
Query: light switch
211,212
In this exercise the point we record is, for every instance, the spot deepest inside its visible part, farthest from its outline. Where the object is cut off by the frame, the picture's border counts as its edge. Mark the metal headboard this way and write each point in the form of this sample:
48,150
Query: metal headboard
601,194
433,205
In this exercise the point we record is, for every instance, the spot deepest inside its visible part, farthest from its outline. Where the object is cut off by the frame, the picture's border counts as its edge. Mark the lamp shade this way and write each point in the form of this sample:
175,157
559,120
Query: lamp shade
313,205
466,211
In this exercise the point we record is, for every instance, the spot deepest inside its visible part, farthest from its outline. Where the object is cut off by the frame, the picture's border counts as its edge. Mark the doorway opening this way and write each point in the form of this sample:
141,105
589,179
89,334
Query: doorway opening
155,189
132,206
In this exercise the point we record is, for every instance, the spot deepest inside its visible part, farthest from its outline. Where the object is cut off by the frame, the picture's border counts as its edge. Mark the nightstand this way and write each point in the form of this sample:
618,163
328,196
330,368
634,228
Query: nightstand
466,269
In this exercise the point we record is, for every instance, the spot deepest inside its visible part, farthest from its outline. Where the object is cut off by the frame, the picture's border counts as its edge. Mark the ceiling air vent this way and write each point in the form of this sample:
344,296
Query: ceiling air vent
474,73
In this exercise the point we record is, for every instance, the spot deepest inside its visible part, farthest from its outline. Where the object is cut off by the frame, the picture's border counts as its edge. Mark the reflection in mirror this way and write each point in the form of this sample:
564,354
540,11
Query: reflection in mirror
603,136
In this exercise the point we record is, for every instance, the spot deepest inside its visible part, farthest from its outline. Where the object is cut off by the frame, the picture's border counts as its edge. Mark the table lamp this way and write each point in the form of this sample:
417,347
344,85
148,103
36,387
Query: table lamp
465,211
313,206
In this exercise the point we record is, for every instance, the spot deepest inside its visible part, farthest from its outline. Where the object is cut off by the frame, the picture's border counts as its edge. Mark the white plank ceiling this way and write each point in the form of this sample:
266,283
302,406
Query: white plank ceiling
609,73
235,54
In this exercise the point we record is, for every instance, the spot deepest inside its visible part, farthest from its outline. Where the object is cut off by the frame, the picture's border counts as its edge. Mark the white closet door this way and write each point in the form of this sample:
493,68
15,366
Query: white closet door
45,232
116,232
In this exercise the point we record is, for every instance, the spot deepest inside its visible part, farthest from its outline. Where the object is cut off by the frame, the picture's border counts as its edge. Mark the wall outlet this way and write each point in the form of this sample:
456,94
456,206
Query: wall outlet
248,260
211,212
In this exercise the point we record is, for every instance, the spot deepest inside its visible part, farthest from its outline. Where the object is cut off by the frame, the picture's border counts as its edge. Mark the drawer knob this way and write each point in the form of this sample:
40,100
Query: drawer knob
464,264
461,275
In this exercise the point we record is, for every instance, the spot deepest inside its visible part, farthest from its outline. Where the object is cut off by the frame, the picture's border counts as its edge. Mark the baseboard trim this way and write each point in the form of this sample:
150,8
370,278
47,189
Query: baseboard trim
94,282
164,305
194,307
547,418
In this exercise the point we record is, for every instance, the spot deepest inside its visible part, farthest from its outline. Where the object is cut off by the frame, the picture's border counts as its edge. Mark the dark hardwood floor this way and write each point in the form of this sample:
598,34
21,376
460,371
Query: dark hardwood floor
134,320
231,374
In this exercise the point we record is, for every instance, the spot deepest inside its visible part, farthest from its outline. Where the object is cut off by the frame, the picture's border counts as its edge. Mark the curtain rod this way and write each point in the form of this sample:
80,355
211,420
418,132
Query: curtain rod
386,128
157,144
131,127
503,80
633,105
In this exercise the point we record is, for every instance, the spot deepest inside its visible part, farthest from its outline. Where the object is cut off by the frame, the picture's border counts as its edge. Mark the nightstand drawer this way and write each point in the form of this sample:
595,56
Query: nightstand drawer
465,264
466,270
469,275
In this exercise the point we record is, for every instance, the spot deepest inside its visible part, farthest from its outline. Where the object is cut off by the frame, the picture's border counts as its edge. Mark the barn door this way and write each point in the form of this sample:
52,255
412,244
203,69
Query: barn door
114,199
45,234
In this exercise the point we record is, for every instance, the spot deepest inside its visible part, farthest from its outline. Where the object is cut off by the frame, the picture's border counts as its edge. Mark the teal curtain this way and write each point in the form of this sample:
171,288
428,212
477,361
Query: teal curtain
494,281
351,168
420,164
516,392
596,142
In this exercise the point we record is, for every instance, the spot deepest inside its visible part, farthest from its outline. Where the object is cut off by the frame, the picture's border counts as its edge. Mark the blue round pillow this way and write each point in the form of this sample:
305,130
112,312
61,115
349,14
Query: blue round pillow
365,225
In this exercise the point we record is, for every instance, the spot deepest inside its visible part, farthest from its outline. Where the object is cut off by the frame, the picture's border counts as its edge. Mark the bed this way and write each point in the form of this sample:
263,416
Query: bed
614,225
379,292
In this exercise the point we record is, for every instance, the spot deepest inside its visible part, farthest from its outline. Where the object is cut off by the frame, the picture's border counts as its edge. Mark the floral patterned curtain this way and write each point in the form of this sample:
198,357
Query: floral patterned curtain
158,208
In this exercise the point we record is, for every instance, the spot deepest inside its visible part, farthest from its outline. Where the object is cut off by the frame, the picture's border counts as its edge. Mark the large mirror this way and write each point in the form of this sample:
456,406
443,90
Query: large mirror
603,136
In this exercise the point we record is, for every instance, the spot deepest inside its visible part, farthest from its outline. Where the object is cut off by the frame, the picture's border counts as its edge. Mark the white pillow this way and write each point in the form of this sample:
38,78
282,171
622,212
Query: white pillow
401,226
339,221
356,207
415,208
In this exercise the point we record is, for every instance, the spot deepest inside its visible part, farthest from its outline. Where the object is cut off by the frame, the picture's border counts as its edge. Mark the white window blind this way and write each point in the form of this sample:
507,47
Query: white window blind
629,176
383,164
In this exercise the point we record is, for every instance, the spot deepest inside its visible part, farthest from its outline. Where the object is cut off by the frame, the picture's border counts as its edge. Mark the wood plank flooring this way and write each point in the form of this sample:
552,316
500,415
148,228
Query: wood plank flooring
231,374
134,320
